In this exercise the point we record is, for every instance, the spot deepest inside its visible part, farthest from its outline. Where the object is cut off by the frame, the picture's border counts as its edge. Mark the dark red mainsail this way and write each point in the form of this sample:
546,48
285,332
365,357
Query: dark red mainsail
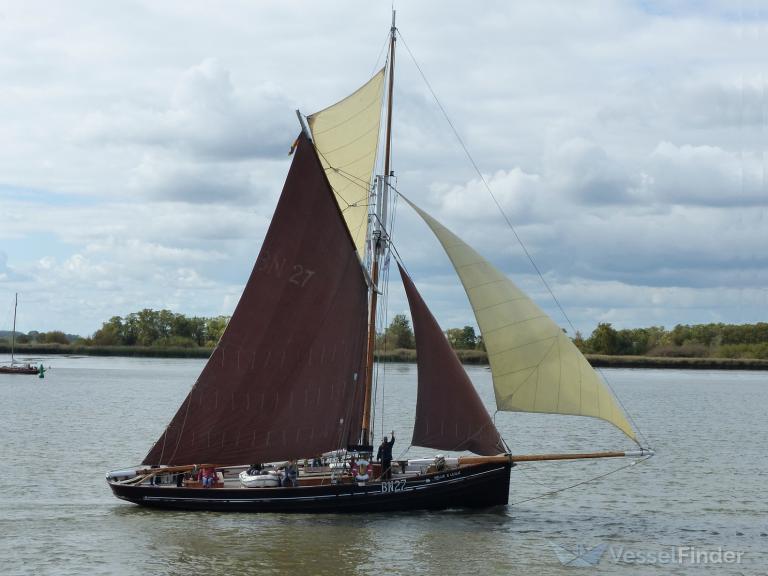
449,413
285,381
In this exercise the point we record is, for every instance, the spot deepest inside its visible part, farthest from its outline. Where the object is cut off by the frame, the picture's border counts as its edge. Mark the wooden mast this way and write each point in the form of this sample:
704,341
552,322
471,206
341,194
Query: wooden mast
13,334
388,142
378,248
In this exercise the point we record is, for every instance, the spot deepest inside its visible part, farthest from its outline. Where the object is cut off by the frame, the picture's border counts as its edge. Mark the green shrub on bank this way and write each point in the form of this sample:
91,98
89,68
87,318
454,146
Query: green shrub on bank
682,351
743,351
128,351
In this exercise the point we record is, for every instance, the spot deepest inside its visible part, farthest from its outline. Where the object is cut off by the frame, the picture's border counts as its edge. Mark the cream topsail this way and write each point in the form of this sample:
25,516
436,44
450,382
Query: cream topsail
346,136
535,366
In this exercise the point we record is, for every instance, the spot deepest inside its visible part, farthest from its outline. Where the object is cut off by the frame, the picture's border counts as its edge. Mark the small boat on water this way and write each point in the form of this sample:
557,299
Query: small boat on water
18,367
291,378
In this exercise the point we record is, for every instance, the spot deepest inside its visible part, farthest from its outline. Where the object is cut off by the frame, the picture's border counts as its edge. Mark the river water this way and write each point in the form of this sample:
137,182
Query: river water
699,506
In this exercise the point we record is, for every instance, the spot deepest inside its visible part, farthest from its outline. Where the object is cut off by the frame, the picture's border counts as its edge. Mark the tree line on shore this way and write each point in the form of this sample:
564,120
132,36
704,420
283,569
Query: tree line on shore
716,340
165,329
146,328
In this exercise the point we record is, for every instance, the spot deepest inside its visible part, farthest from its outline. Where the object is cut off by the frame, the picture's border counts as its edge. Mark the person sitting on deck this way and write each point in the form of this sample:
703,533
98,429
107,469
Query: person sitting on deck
385,456
291,473
254,470
208,476
192,475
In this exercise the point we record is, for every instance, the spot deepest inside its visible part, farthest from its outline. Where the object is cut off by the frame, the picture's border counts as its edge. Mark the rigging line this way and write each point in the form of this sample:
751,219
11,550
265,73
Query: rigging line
189,402
506,446
376,379
380,319
375,374
510,225
398,258
390,231
583,482
351,178
393,211
184,420
485,183
375,371
347,429
358,205
349,421
378,58
383,317
387,271
392,247
528,477
629,415
375,396
354,180
359,185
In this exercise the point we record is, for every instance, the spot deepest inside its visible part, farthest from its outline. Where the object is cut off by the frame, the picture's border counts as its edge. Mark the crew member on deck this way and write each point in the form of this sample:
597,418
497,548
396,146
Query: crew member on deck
208,476
291,473
384,455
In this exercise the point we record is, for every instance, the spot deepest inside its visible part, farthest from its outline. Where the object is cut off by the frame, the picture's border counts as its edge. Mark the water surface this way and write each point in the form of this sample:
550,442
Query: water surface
705,488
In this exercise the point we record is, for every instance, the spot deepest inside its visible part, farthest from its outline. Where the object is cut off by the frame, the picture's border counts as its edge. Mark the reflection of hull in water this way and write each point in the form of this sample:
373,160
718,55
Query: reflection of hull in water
473,486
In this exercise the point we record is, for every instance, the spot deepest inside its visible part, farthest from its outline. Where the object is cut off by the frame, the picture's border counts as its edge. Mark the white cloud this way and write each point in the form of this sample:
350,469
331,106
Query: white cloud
143,147
517,192
205,117
707,175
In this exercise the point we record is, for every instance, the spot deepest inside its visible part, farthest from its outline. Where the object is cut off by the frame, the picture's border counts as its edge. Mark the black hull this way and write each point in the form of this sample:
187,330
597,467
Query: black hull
476,486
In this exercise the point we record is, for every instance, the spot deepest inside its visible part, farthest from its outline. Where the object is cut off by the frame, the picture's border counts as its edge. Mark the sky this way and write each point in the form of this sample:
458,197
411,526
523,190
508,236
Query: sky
143,147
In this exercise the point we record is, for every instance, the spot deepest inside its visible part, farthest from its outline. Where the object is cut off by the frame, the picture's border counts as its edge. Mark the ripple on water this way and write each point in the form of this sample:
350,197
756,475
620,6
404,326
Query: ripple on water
57,515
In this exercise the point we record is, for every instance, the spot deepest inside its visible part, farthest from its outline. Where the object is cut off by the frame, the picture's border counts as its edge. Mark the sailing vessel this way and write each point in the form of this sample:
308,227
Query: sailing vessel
16,367
291,377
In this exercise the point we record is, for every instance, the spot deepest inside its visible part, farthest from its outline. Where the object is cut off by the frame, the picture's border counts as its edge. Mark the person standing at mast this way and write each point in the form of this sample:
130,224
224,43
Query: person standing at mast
384,455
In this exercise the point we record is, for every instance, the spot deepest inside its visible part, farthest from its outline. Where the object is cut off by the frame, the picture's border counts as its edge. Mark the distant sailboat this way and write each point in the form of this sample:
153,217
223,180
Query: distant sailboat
16,367
291,377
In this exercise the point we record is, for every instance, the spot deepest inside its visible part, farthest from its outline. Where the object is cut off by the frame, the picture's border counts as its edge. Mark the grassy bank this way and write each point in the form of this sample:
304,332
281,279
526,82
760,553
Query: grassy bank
603,361
400,355
137,351
407,355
